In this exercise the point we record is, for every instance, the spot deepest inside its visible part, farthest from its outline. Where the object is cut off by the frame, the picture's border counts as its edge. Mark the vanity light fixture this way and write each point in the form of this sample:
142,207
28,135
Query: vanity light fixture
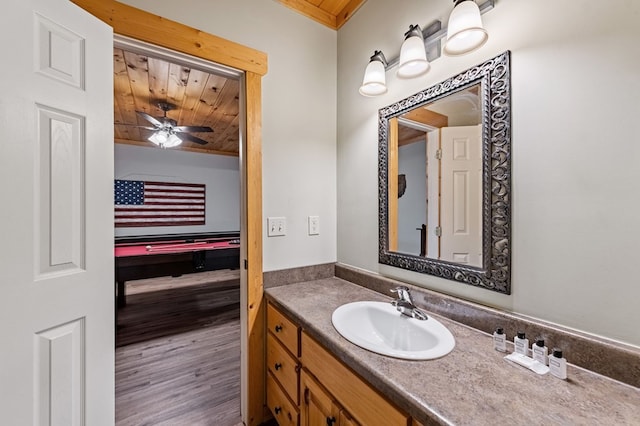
165,139
413,56
374,82
420,47
465,32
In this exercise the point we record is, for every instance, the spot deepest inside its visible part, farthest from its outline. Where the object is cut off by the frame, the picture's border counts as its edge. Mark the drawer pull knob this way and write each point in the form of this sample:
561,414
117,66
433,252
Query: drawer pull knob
278,366
277,410
278,328
331,421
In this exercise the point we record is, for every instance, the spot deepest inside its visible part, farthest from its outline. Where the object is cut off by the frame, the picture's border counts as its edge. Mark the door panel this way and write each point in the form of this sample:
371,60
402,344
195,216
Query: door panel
461,196
59,192
56,183
59,372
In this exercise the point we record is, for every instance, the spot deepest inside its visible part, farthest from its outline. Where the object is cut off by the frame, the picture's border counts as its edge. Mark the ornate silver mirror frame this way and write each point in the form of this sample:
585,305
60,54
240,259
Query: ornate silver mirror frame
495,272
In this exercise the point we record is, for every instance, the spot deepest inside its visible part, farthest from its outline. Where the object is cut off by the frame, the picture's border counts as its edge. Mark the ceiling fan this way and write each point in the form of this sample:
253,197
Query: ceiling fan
166,132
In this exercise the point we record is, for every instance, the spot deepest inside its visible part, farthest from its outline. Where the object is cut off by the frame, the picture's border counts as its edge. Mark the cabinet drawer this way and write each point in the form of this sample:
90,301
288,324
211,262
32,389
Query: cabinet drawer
283,329
364,403
283,367
285,413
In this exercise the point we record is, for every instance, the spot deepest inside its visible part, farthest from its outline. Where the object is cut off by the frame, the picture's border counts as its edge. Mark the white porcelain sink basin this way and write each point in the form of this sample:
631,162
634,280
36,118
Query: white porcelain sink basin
380,328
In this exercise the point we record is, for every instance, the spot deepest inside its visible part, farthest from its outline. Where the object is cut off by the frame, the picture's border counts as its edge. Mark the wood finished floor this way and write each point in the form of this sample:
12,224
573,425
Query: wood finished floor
178,351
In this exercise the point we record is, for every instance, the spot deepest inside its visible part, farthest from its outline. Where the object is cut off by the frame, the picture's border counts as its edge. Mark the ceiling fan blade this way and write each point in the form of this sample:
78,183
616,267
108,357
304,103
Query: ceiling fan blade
135,125
191,138
195,129
149,118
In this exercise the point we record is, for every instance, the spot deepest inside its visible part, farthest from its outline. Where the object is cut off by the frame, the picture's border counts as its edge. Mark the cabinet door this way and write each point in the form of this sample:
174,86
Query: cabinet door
347,420
317,407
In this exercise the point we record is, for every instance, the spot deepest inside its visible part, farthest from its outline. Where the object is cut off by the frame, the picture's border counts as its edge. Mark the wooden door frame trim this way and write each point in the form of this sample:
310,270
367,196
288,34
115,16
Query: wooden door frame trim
154,29
141,25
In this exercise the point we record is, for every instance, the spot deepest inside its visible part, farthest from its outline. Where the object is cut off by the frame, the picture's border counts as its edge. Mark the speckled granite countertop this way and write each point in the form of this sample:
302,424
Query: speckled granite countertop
472,385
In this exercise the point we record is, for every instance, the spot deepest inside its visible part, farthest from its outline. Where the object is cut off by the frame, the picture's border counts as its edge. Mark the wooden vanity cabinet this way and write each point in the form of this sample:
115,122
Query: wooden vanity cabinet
361,402
283,367
307,385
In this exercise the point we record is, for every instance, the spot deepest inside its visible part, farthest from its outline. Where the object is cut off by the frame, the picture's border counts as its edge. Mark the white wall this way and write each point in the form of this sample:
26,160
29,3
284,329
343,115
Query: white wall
576,154
219,173
412,206
299,115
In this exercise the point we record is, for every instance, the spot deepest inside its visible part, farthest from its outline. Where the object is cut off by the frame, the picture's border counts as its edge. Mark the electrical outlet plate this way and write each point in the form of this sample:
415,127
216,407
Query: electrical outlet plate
276,226
314,225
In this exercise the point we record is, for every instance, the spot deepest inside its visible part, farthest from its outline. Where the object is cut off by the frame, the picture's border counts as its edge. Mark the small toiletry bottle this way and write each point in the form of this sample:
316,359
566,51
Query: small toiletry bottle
557,364
539,351
521,344
499,340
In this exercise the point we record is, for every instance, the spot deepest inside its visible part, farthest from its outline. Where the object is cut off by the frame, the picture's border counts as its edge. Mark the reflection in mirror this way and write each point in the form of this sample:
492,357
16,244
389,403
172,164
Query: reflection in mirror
440,154
444,184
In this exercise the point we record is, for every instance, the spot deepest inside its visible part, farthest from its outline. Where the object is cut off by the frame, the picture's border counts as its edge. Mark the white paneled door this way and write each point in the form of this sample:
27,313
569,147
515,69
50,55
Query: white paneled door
56,216
461,195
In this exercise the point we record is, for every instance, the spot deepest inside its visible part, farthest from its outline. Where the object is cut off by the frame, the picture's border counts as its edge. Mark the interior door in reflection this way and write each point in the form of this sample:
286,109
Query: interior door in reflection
461,195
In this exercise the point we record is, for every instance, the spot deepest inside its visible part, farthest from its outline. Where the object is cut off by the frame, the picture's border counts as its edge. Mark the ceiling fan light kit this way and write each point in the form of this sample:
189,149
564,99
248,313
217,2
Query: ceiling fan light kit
166,132
165,139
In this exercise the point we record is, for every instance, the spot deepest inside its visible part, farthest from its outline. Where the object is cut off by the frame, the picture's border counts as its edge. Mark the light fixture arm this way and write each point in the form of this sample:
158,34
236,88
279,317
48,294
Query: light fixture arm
414,30
379,56
433,33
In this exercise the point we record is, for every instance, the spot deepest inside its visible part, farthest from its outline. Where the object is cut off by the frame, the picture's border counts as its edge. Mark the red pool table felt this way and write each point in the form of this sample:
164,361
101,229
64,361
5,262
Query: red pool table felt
167,247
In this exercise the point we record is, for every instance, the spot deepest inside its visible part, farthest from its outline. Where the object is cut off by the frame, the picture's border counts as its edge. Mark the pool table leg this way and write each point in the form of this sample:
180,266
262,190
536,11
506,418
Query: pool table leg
122,301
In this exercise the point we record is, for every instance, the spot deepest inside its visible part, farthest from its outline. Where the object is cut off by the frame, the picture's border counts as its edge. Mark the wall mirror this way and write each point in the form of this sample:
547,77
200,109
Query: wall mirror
444,178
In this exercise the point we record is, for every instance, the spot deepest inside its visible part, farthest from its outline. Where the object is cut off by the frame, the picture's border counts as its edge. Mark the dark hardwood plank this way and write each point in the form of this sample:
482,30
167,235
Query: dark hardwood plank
178,351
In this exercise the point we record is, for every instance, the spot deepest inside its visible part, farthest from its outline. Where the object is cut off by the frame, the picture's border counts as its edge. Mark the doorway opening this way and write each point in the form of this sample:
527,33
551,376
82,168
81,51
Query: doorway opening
178,339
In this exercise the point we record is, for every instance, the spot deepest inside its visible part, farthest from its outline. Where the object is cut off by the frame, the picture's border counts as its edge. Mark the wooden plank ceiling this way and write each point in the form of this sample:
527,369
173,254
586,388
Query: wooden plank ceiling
463,108
199,99
332,13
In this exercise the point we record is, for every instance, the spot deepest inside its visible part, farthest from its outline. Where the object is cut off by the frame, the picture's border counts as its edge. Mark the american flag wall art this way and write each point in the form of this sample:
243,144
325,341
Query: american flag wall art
141,203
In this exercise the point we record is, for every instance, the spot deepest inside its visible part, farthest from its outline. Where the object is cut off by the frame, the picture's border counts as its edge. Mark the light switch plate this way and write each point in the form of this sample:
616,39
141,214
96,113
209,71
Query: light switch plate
276,226
314,225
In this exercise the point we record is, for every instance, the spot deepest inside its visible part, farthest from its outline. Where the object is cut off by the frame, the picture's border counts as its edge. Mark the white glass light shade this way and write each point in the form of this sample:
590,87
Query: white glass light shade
173,141
164,139
413,58
465,32
159,137
374,82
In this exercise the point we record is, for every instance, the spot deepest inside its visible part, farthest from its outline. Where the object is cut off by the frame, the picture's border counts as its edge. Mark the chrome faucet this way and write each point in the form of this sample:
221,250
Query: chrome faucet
404,304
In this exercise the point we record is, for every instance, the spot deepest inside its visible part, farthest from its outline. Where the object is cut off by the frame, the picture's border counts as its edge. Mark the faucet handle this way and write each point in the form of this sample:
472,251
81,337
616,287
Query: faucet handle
403,293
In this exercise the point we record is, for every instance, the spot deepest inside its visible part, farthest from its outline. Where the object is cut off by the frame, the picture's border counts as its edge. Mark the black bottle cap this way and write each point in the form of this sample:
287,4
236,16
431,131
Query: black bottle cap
499,330
540,342
520,335
557,352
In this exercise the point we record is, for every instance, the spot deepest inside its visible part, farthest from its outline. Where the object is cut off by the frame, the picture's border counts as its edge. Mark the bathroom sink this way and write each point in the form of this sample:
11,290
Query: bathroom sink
380,328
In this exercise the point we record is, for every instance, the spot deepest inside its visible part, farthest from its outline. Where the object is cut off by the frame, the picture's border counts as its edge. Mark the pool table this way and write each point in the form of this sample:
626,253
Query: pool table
150,257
